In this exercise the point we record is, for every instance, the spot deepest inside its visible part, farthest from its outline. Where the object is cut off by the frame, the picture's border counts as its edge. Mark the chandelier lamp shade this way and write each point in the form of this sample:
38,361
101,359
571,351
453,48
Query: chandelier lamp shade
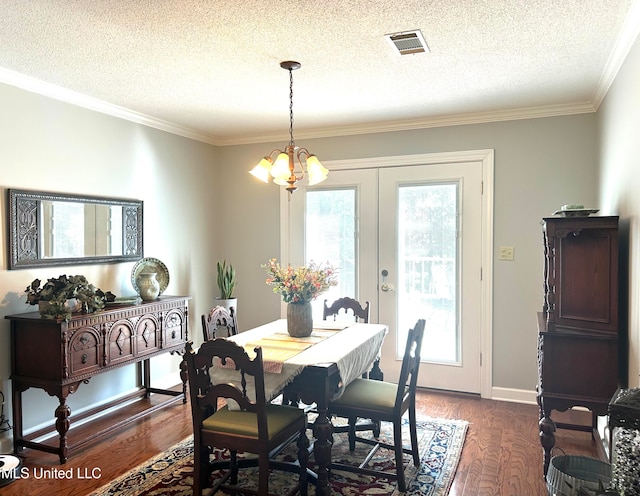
290,165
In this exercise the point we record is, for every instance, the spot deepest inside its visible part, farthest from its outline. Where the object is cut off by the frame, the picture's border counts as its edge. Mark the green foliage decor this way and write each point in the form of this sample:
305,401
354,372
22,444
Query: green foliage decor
226,280
57,291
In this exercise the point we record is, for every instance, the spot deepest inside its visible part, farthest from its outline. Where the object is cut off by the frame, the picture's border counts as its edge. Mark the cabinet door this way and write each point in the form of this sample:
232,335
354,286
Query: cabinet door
147,335
581,273
579,365
175,328
84,351
120,342
587,279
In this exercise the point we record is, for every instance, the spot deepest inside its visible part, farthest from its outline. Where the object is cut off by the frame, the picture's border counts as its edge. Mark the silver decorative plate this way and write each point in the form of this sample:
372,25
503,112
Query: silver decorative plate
124,301
150,265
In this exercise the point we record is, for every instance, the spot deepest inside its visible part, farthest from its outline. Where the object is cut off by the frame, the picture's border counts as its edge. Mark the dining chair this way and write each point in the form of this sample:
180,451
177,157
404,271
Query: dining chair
385,402
217,318
347,308
343,305
225,416
339,310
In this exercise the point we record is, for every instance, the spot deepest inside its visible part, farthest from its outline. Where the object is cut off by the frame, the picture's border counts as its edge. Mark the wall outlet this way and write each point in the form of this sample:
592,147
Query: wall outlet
506,253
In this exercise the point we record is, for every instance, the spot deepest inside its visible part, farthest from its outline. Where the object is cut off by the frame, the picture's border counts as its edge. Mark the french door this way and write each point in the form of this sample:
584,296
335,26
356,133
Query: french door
408,239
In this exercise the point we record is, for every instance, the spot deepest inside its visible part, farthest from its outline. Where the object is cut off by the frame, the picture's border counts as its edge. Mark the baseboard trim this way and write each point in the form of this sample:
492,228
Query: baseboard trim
602,433
513,395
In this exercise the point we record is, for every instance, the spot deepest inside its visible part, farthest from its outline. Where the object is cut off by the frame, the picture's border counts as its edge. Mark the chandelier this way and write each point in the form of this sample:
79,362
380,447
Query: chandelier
292,163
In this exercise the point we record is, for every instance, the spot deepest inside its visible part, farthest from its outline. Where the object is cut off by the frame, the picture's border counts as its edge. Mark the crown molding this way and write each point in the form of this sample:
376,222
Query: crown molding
43,88
429,122
55,92
628,36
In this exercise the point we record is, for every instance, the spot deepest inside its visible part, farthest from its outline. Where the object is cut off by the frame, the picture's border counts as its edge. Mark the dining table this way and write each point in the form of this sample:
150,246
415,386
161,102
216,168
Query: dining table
315,369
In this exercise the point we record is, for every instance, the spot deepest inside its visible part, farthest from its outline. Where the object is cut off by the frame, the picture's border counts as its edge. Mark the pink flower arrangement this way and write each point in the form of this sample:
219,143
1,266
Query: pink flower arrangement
300,284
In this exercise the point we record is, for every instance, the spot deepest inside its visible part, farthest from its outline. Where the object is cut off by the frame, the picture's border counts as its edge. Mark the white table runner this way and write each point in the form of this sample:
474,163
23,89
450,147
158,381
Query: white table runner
352,349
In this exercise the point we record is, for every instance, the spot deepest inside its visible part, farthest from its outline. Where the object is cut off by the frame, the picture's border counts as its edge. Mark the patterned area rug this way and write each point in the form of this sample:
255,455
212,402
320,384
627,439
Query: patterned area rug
440,440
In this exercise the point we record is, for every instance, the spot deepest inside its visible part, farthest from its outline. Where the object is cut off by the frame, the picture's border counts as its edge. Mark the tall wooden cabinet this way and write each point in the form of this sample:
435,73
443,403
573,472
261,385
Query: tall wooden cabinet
579,333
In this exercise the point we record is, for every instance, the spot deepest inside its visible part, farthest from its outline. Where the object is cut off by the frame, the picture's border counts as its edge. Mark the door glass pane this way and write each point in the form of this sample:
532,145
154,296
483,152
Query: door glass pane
427,285
330,236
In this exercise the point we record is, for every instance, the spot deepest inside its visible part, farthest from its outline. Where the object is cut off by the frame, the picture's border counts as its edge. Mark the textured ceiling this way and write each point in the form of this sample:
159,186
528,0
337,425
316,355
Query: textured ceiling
210,69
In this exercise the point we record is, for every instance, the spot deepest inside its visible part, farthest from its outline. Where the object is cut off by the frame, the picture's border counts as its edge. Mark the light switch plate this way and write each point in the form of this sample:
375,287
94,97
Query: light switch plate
506,253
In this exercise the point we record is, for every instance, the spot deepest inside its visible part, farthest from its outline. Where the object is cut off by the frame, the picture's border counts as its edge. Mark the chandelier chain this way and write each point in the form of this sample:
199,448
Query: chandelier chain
291,142
287,161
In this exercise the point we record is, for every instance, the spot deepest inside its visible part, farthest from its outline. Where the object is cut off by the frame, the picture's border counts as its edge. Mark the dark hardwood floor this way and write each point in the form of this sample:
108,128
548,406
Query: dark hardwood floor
501,456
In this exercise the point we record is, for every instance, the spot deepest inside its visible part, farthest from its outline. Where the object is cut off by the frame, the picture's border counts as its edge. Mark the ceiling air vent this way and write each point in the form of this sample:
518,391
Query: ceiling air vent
408,42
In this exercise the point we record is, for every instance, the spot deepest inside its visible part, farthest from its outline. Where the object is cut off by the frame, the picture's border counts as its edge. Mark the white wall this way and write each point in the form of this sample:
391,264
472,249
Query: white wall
52,146
619,121
202,205
540,164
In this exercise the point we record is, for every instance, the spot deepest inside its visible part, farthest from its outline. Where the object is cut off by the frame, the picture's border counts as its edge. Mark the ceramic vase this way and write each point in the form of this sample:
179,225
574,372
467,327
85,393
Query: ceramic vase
299,320
148,286
227,303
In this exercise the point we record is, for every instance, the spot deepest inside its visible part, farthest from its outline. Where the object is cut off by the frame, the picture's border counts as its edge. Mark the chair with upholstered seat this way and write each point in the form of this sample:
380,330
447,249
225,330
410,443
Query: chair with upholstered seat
347,308
350,309
343,305
385,402
219,318
253,426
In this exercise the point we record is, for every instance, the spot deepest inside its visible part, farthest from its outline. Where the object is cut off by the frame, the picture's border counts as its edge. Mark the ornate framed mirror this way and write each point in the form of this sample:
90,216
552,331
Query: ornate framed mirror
51,229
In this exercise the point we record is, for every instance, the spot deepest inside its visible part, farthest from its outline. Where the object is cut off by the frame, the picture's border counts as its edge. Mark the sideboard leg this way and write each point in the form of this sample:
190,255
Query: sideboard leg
184,377
63,412
146,377
16,396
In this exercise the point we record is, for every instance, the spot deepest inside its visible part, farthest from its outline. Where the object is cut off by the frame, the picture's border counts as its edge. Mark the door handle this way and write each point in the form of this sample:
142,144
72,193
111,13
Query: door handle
386,287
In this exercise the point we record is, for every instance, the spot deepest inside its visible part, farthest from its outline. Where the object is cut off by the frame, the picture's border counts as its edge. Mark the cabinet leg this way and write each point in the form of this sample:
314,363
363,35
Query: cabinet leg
63,412
547,439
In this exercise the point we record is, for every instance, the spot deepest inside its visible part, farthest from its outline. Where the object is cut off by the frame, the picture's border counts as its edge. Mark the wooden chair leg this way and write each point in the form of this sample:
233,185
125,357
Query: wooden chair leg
352,433
197,470
233,468
397,442
414,436
263,473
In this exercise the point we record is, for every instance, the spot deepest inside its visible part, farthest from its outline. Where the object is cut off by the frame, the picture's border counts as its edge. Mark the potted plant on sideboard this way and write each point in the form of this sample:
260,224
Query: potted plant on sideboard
61,296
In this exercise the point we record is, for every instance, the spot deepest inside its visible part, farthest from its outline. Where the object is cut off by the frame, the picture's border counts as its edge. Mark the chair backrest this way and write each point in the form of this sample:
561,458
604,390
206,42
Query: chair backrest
410,365
205,392
345,304
216,318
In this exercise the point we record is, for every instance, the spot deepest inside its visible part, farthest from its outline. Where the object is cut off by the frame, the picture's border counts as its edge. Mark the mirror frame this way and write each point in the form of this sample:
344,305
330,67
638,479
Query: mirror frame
25,242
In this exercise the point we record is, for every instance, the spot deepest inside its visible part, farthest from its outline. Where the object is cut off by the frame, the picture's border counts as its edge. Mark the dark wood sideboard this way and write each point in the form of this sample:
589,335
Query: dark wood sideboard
59,356
579,328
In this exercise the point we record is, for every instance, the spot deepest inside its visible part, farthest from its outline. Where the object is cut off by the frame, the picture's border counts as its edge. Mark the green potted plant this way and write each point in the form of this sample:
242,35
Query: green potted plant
226,285
59,297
